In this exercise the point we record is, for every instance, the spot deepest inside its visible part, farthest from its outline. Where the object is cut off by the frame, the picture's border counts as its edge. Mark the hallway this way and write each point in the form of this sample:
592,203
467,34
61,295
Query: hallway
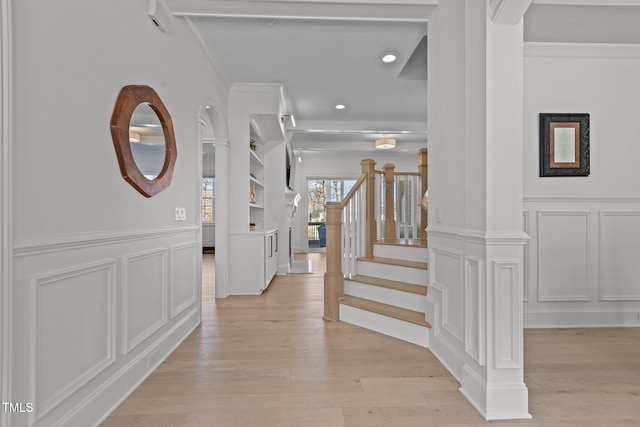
270,360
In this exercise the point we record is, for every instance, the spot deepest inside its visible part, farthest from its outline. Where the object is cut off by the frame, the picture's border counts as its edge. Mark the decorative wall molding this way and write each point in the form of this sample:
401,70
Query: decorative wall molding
619,253
182,277
449,279
49,289
571,199
526,256
479,236
134,275
475,310
548,256
581,50
85,240
507,323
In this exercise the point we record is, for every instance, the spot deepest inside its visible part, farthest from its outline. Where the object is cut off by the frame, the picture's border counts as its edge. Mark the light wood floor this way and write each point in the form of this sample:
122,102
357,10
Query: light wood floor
270,360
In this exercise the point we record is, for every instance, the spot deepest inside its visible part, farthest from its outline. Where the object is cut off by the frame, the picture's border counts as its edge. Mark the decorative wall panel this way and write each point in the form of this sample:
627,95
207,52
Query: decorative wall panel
144,293
182,277
74,336
448,276
475,311
620,256
564,240
507,325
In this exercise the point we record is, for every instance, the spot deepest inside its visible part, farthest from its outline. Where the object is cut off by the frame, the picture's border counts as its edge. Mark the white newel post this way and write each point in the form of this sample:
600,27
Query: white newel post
475,198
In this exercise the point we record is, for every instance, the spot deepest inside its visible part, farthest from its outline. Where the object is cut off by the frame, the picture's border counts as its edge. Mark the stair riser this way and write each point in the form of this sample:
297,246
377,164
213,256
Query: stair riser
394,297
399,329
401,252
416,276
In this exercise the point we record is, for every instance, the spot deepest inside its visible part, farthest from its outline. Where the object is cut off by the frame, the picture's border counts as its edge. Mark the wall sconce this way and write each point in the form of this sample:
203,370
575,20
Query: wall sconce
284,118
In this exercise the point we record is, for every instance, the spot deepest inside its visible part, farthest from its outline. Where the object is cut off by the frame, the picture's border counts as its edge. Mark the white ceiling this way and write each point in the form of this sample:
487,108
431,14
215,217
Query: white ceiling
329,52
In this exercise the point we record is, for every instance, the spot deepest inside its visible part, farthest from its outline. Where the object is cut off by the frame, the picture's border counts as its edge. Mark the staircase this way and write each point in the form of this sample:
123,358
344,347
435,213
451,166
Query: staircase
377,256
388,293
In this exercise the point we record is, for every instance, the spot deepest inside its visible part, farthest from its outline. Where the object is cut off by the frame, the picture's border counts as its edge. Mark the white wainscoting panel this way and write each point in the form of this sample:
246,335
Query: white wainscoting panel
182,277
526,256
620,256
447,274
507,325
475,311
564,240
144,294
70,349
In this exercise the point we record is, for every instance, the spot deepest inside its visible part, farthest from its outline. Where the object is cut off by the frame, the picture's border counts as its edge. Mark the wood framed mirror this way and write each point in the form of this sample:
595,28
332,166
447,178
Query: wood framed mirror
145,144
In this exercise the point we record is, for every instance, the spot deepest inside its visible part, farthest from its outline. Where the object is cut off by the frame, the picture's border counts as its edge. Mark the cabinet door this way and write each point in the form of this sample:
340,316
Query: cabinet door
268,255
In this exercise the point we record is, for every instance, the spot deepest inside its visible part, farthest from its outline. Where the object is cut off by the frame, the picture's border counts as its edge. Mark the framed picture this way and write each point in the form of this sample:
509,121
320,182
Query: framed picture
564,144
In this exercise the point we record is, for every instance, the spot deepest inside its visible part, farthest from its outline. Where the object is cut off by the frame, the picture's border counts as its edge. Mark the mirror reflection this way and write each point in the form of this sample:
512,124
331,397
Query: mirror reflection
146,138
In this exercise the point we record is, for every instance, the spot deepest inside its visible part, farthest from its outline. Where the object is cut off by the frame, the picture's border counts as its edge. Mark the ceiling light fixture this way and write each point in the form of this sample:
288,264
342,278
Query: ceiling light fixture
134,137
389,58
340,107
385,143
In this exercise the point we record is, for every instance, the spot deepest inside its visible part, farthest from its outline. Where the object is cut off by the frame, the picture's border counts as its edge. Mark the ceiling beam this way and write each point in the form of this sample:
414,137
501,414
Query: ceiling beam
345,127
376,10
508,12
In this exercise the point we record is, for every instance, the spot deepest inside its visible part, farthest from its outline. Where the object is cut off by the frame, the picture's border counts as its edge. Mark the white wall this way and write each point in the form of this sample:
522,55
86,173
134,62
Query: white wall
584,231
332,164
105,282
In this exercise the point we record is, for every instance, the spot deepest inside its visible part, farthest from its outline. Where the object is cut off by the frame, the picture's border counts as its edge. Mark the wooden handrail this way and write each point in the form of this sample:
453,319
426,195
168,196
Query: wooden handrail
353,190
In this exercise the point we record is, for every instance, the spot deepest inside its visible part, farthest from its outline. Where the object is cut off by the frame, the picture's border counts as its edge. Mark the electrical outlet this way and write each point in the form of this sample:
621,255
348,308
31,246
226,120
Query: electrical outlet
181,214
438,215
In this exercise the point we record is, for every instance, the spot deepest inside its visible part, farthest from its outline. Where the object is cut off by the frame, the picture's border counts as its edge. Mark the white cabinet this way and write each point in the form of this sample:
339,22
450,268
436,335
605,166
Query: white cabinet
253,256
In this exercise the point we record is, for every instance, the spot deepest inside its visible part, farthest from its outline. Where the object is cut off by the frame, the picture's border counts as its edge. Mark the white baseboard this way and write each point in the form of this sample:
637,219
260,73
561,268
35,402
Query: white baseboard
562,318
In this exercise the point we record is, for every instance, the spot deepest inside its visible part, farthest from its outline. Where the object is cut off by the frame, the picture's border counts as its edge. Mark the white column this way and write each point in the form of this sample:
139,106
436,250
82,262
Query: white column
475,199
5,206
222,217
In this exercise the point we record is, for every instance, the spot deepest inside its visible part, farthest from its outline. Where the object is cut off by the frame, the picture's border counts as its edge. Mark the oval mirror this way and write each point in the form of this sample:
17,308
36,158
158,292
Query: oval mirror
143,137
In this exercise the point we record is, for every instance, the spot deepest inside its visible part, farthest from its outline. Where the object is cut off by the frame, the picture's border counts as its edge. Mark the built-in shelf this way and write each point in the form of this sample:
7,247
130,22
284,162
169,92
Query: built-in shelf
256,182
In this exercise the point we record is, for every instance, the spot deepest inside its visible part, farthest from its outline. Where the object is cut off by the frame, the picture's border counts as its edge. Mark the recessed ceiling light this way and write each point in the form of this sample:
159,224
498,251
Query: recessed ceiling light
388,58
340,107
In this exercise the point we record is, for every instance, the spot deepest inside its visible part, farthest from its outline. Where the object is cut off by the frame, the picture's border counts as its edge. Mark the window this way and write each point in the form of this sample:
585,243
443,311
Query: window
207,199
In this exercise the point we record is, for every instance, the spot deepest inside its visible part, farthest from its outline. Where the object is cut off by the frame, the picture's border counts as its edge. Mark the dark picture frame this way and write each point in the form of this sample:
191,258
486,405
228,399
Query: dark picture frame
564,144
